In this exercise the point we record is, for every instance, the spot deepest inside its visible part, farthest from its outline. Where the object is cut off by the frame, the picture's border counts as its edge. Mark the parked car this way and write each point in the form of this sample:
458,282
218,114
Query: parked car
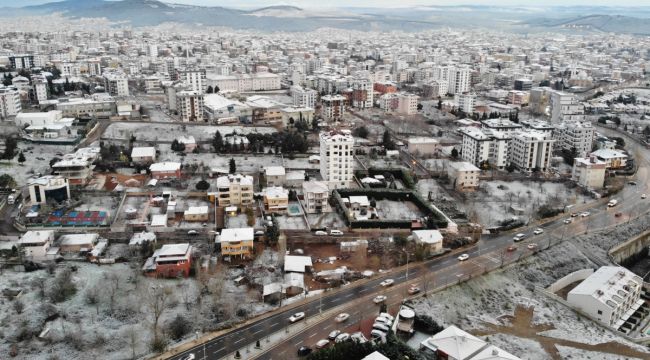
320,233
574,215
632,182
358,337
463,257
643,196
531,246
297,317
304,351
568,221
342,337
585,214
413,289
192,232
538,231
377,334
379,299
511,248
322,343
188,357
259,233
335,232
387,282
383,320
519,237
618,214
381,327
387,316
342,317
333,334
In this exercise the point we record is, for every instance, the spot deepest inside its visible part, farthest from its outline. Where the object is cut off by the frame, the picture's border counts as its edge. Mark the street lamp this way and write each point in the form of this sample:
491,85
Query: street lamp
407,263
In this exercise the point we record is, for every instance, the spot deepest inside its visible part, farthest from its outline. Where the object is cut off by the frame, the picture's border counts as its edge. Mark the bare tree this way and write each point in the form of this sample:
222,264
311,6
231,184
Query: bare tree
157,301
133,338
111,288
40,284
92,297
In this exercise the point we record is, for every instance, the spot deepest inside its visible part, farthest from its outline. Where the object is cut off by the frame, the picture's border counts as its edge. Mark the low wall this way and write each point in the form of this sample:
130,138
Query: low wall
619,253
569,279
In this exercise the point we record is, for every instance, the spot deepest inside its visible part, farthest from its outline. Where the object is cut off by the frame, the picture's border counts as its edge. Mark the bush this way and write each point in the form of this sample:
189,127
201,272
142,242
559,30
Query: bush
546,211
202,185
158,345
63,287
179,327
426,324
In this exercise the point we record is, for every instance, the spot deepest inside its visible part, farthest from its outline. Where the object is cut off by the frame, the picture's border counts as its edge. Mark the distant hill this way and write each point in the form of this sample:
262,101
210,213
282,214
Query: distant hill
602,23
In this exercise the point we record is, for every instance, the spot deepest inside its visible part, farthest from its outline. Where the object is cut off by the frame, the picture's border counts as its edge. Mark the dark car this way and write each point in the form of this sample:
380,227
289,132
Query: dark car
304,351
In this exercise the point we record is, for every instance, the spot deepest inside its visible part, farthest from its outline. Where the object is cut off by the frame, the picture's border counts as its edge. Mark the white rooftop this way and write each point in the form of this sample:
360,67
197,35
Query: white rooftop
236,234
196,210
36,237
608,154
159,220
274,170
463,166
145,151
296,263
428,236
78,239
315,187
165,166
275,192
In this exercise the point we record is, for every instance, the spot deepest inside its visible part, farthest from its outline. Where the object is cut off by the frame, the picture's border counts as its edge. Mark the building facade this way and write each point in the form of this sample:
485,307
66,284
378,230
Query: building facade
336,158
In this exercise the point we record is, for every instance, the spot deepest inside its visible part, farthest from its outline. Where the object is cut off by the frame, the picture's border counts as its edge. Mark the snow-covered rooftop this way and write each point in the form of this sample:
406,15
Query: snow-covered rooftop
294,263
236,234
165,166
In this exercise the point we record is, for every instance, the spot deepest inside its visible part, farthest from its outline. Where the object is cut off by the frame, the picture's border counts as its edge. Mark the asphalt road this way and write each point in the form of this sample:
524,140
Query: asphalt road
447,269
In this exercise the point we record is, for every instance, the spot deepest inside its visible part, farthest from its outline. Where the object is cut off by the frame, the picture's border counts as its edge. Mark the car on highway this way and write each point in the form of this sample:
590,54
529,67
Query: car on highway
574,214
342,337
568,221
188,357
379,299
632,182
413,289
511,248
538,231
643,196
531,246
387,282
304,351
322,343
335,232
618,214
297,317
333,334
585,214
463,257
341,317
519,237
320,233
192,232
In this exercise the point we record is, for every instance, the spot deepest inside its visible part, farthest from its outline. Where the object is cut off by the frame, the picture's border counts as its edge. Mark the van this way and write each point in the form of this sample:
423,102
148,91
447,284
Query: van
11,199
335,232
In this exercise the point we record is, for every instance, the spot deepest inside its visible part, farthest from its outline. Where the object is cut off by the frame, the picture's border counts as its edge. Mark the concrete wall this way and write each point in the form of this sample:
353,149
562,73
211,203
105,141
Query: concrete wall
633,246
569,279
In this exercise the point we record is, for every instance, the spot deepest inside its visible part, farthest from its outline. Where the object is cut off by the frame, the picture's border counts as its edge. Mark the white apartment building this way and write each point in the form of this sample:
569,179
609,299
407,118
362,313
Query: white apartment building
565,107
336,158
610,295
501,126
48,188
407,103
333,107
531,150
189,105
589,172
40,90
245,82
36,244
116,83
235,190
304,97
575,135
463,175
315,197
9,102
459,80
362,93
480,146
195,79
465,102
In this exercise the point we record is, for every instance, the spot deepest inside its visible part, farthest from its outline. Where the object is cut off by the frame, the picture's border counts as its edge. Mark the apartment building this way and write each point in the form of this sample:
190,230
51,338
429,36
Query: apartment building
189,105
195,79
518,98
237,242
565,107
407,103
465,102
481,146
459,80
315,197
245,82
423,145
575,135
523,84
116,83
610,295
589,172
235,190
170,261
333,107
531,150
463,175
36,244
40,89
48,188
21,61
275,175
501,126
276,199
78,170
303,97
613,159
98,106
336,157
539,100
9,102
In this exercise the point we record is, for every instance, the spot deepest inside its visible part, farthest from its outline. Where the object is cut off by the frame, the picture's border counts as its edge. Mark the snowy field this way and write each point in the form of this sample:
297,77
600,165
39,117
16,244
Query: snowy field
331,220
244,163
37,158
164,132
397,210
291,222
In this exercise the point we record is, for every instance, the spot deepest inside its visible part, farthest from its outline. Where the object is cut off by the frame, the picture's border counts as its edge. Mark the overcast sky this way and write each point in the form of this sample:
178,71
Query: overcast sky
372,3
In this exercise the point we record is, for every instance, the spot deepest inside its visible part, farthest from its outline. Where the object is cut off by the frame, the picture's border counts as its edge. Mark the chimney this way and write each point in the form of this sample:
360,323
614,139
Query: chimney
592,159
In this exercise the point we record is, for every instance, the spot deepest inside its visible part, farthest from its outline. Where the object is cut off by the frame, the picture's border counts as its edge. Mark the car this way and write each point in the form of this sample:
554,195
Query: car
188,357
304,351
463,257
585,214
342,337
204,224
643,196
387,316
387,282
531,246
297,317
538,231
379,299
618,214
320,233
335,232
383,320
511,248
519,237
342,317
333,334
259,233
574,215
192,232
632,182
568,221
358,337
381,327
413,289
322,343
377,334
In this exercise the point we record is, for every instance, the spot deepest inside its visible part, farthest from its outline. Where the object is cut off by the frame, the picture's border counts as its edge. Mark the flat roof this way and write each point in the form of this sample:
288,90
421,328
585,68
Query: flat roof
236,234
78,239
294,263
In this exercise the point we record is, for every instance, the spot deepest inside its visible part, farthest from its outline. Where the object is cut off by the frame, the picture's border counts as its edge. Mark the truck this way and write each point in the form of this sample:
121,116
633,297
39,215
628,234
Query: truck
612,203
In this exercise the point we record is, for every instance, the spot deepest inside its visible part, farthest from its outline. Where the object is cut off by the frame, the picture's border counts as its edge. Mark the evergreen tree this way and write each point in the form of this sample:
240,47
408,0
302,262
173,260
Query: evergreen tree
217,142
21,157
232,166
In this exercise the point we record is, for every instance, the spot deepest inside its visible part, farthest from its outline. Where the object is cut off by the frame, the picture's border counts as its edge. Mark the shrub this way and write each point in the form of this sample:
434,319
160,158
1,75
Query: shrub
179,327
426,324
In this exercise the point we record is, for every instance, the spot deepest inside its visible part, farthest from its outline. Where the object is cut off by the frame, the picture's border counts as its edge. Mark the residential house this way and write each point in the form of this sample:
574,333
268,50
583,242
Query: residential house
36,244
463,175
78,243
276,199
235,190
274,175
143,155
165,170
453,343
171,260
236,242
430,238
197,213
589,172
315,197
613,159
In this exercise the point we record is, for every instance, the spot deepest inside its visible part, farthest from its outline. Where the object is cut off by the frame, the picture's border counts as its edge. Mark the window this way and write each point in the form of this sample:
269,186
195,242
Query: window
600,312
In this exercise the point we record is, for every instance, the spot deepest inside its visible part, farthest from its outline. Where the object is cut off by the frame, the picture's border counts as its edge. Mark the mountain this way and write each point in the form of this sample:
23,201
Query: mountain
599,23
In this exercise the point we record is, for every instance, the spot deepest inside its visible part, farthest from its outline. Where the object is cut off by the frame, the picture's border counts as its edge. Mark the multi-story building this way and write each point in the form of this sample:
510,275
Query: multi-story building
576,135
275,175
96,106
304,97
36,244
463,175
41,90
9,102
21,61
523,84
116,83
423,145
407,103
613,159
48,188
589,172
539,100
565,107
236,242
362,93
315,197
333,107
336,157
531,150
435,88
465,102
195,79
77,169
189,105
501,126
610,295
459,80
245,82
171,260
518,98
276,199
235,190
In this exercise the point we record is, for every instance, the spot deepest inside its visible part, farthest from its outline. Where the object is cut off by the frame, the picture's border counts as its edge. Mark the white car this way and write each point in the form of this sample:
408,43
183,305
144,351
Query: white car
387,282
322,343
377,334
519,237
568,221
342,337
538,231
387,316
585,214
333,334
320,233
335,232
341,317
380,327
358,337
188,357
297,317
463,257
643,196
383,320
192,232
379,299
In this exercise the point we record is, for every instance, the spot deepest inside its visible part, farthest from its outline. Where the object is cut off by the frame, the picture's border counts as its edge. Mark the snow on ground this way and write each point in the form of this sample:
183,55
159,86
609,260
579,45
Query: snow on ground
291,222
424,186
397,210
244,163
522,347
331,220
165,132
239,221
571,353
37,157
